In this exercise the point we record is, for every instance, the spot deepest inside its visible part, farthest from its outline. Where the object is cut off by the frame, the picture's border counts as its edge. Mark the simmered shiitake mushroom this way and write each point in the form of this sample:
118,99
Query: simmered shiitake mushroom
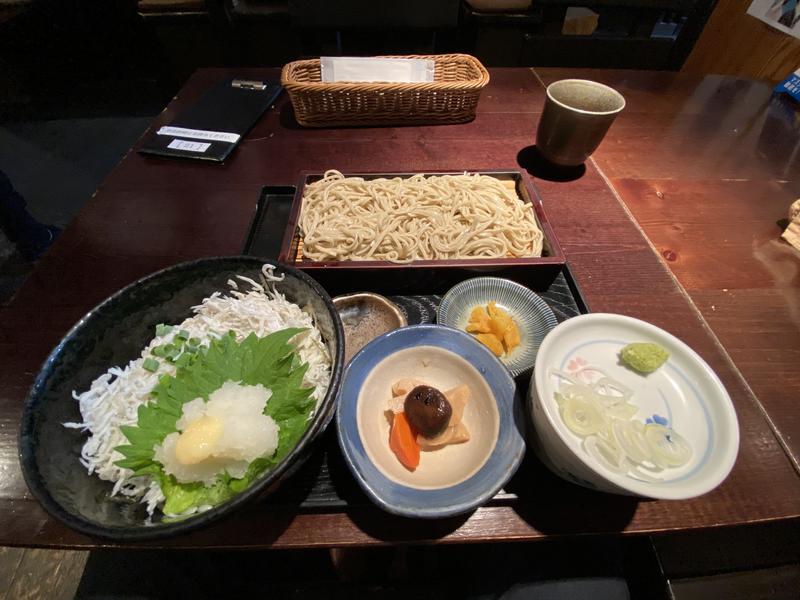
427,410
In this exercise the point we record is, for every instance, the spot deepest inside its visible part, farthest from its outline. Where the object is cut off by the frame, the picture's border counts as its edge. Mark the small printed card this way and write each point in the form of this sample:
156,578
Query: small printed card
783,15
177,144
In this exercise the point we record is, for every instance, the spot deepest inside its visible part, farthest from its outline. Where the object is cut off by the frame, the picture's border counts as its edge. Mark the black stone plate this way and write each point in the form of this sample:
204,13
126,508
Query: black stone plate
114,333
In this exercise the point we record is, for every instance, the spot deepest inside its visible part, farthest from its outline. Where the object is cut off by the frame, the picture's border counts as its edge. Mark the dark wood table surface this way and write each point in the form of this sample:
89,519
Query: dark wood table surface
673,221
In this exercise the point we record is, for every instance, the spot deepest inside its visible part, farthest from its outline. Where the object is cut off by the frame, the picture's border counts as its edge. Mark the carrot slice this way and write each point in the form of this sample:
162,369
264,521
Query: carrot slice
403,442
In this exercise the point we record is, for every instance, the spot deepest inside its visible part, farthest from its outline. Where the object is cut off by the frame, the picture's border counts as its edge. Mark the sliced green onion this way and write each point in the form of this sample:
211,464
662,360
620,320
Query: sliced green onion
629,436
581,416
158,351
162,330
601,410
150,364
194,341
182,335
669,449
183,360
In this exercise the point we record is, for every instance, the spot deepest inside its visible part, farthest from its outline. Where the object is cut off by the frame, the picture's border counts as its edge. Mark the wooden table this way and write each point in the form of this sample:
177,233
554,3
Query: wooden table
699,169
708,166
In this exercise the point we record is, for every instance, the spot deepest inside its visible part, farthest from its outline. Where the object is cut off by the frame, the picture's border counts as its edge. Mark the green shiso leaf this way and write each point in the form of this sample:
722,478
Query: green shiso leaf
270,361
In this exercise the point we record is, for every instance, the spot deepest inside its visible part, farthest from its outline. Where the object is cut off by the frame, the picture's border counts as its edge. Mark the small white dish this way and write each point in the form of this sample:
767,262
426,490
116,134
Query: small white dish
684,394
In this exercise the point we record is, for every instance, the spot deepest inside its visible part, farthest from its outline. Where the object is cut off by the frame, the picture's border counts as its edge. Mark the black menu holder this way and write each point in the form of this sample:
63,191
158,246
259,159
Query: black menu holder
212,127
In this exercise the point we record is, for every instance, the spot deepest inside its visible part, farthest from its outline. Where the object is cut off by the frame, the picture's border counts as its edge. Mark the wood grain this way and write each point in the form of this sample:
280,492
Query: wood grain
709,172
9,561
151,213
735,43
728,228
51,574
760,329
685,126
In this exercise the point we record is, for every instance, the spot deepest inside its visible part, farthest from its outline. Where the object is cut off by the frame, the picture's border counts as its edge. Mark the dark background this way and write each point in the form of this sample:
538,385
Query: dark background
80,80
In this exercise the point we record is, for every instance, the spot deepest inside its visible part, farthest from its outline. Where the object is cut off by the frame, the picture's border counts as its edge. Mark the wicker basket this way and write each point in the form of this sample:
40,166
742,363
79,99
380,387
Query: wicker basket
451,98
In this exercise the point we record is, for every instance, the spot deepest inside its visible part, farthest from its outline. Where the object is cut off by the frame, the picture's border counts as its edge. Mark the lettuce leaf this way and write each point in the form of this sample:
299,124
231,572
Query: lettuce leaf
270,361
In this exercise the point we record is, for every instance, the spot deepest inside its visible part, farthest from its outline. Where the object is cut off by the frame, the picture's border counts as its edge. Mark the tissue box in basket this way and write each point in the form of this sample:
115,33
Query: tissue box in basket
452,97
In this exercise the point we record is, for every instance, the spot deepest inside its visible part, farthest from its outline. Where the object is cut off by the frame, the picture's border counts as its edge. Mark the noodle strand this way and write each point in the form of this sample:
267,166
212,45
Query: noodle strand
419,218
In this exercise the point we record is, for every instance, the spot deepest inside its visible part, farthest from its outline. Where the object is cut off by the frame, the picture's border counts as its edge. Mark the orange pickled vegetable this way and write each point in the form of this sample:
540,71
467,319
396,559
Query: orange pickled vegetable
403,442
490,341
479,321
494,328
511,337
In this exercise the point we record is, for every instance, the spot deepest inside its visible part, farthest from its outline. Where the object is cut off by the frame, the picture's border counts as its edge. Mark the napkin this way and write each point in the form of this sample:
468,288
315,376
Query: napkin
792,232
395,70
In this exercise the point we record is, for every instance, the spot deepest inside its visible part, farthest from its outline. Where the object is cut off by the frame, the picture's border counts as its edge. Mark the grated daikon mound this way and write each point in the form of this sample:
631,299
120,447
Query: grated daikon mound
247,433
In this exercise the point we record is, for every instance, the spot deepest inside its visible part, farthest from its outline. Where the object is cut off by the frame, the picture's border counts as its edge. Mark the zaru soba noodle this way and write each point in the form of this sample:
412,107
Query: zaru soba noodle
418,218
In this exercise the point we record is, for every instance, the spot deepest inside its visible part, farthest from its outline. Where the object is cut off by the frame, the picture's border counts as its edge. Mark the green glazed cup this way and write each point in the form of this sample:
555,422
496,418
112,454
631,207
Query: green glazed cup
576,117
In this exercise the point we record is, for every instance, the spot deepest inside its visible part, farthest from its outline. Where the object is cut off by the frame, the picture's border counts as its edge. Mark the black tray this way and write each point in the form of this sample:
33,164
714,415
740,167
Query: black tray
324,481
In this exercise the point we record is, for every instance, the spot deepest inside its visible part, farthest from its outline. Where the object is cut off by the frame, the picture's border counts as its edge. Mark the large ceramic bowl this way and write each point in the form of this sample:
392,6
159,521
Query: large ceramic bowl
684,394
114,333
451,480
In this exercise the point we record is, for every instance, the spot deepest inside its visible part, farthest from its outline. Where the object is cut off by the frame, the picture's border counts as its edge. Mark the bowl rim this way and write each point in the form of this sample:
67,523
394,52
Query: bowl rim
321,419
536,302
376,298
727,454
516,437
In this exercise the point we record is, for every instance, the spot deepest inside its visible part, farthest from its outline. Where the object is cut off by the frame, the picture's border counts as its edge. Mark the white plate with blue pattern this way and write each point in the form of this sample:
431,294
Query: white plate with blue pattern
684,394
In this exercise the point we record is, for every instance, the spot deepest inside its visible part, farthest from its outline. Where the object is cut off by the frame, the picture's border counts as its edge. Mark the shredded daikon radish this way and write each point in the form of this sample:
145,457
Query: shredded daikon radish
600,410
113,399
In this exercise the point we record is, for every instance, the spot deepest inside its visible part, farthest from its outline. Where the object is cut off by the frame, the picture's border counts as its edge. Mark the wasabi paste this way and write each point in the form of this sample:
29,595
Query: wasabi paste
644,357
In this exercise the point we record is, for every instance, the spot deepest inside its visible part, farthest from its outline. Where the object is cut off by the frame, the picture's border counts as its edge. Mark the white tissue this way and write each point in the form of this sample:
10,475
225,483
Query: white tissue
394,70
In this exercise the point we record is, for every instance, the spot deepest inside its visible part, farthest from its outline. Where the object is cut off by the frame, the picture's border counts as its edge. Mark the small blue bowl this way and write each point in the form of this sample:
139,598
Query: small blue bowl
457,478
